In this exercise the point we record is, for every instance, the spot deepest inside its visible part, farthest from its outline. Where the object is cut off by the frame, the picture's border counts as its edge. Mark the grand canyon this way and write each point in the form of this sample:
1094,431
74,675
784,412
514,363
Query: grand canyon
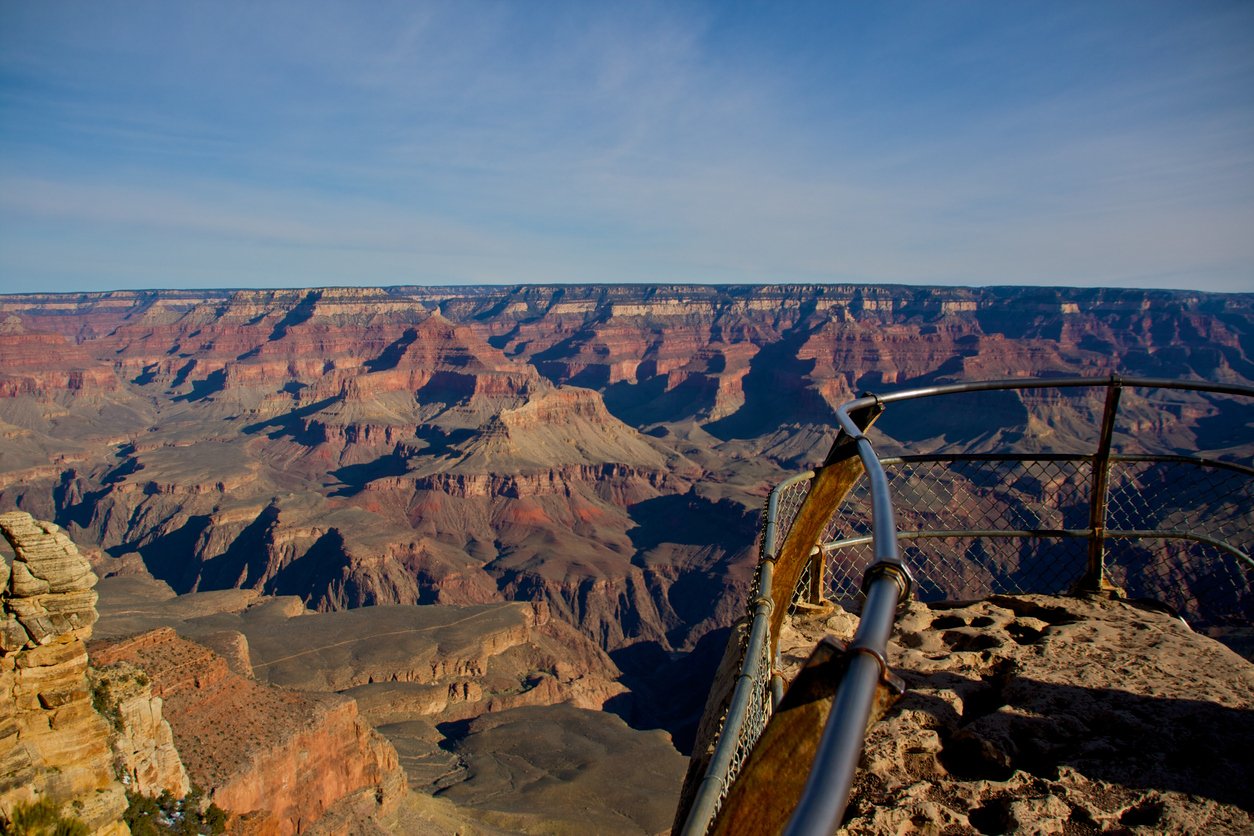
482,546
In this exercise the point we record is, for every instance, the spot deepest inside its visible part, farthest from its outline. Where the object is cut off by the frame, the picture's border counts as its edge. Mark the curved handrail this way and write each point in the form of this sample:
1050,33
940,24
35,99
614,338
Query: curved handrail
887,584
827,791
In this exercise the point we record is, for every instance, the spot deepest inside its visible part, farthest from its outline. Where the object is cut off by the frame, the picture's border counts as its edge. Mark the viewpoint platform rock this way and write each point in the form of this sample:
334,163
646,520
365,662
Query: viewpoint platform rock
1043,714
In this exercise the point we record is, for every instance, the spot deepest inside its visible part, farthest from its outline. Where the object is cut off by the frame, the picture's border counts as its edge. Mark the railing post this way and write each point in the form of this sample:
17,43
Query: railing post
1095,576
818,576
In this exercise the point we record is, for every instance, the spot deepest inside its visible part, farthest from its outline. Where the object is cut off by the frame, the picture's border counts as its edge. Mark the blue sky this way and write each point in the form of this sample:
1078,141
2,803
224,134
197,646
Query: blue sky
275,144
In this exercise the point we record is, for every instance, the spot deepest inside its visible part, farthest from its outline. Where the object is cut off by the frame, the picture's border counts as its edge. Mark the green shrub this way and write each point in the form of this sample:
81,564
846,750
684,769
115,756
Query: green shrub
108,683
41,818
166,814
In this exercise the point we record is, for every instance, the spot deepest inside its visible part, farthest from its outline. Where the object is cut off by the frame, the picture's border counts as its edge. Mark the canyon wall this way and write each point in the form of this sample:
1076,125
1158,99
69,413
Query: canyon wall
603,450
82,736
573,475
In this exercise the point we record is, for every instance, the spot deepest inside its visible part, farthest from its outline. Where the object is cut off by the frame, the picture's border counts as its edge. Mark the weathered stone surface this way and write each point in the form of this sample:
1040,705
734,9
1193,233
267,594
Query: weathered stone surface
13,635
47,560
142,742
53,744
1044,715
50,591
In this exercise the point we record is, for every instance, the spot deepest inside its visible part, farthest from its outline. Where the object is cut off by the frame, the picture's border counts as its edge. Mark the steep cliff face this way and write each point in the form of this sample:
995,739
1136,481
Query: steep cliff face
561,444
279,758
144,754
53,744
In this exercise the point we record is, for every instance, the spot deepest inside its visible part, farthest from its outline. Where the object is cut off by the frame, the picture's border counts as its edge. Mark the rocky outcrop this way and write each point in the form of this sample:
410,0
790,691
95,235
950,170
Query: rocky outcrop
144,754
51,596
280,759
53,744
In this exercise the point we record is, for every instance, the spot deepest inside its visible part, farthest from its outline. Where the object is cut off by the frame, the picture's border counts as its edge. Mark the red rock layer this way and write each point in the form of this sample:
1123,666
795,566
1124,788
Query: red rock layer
40,364
282,758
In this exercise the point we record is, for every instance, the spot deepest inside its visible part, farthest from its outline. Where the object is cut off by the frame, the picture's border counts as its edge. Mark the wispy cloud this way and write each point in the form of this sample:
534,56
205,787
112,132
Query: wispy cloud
571,142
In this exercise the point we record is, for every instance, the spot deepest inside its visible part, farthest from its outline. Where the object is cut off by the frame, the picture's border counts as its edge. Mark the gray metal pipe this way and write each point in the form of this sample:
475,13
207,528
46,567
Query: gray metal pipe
826,793
714,783
1062,383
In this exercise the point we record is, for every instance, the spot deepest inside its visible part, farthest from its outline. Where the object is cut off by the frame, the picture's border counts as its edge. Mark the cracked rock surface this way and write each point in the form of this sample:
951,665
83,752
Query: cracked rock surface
1041,714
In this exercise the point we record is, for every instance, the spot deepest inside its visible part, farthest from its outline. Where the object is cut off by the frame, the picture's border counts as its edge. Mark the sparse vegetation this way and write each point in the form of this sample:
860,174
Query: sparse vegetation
188,816
40,818
107,686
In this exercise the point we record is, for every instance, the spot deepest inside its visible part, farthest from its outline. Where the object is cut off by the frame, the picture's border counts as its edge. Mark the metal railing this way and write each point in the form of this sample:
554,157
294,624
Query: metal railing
986,525
755,693
962,526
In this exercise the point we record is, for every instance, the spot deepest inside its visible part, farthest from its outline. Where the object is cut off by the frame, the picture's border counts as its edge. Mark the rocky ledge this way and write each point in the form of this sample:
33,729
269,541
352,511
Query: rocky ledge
1038,714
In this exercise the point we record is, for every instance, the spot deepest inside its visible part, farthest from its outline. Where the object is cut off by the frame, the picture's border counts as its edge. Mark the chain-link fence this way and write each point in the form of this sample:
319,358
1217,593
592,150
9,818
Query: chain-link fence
750,704
757,711
970,527
1199,578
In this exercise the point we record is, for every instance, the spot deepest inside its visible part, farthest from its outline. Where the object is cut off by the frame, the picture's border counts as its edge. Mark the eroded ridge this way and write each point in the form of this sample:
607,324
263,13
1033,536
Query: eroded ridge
284,757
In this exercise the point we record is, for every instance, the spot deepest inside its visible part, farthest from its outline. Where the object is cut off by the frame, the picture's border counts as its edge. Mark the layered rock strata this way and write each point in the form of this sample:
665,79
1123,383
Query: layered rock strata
53,744
440,662
409,668
604,451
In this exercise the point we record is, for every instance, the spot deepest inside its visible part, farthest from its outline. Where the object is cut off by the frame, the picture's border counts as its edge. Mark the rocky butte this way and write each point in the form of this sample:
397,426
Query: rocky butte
549,495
